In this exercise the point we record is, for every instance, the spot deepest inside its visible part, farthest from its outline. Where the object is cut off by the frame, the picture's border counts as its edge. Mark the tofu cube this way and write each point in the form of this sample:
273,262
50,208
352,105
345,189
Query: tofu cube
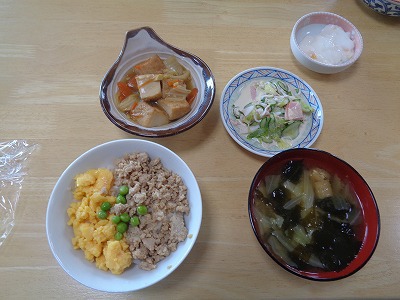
174,107
149,88
148,115
153,65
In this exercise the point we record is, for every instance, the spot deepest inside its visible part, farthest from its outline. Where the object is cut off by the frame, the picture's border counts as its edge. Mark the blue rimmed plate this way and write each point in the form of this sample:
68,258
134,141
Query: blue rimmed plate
312,125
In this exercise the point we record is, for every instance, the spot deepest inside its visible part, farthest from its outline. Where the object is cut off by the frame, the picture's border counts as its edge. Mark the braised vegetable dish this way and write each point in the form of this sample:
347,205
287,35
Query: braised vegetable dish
156,92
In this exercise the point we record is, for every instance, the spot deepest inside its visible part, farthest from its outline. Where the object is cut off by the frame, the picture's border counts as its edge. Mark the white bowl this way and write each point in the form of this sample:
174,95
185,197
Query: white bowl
59,234
318,20
230,94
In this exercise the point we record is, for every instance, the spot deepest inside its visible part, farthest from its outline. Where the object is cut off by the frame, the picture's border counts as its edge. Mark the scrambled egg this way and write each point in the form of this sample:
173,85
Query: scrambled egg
91,234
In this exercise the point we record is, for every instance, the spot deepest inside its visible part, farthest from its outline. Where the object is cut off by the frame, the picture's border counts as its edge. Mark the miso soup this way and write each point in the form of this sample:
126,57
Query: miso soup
309,217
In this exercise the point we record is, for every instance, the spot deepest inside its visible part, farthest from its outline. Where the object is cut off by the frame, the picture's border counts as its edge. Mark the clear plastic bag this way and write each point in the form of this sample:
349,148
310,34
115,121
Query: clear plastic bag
13,160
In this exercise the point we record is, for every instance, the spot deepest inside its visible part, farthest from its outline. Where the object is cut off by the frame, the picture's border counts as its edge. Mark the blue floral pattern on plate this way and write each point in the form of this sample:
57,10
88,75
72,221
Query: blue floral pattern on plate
384,7
241,79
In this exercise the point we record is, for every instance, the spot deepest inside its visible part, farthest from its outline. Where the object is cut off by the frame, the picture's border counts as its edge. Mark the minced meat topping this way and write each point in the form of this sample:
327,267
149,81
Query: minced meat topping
164,194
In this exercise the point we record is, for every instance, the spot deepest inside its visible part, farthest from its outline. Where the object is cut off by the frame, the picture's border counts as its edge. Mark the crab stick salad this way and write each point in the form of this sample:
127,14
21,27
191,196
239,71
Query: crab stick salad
270,111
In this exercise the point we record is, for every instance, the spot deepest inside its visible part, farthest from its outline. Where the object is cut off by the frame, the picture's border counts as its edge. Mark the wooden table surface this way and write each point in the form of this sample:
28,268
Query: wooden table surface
53,56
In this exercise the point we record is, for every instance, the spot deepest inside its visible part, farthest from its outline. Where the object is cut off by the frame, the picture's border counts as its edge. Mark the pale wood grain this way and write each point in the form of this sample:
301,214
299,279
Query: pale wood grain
53,56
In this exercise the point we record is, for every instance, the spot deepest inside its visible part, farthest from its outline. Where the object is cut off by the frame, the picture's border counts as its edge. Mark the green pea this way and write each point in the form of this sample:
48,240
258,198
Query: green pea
125,217
105,206
124,190
135,221
121,199
122,227
102,214
118,236
116,219
141,210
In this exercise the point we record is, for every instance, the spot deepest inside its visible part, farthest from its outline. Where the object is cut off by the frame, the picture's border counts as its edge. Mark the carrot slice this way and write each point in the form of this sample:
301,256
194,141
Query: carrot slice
134,105
172,82
138,67
132,83
192,95
124,90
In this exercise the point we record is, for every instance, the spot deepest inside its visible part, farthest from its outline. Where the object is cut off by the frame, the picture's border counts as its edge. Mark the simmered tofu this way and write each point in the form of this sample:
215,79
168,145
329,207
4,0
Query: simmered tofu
174,107
148,115
156,91
153,65
149,87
